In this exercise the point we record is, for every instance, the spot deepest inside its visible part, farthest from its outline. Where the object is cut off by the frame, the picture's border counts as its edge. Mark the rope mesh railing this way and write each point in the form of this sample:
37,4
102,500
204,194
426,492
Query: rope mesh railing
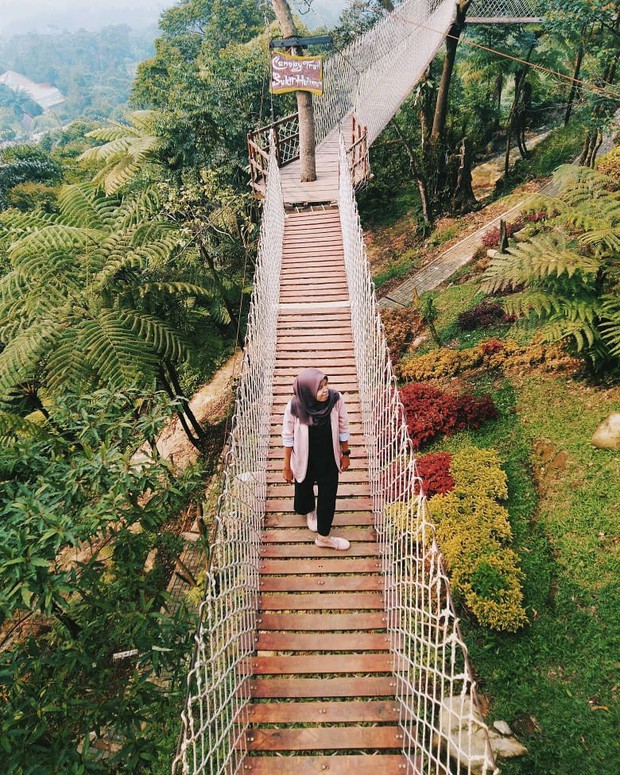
434,685
215,717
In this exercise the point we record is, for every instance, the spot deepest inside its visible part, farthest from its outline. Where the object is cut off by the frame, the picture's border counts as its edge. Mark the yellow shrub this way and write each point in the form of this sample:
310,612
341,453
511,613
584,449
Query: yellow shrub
506,354
478,471
609,164
491,589
473,531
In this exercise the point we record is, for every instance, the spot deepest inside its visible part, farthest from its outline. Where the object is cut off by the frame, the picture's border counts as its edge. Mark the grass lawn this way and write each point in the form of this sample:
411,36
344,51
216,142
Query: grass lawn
557,680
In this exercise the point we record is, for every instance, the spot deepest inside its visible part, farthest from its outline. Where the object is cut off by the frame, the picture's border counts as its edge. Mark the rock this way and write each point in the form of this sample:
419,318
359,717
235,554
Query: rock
467,736
492,252
502,727
607,435
506,747
465,733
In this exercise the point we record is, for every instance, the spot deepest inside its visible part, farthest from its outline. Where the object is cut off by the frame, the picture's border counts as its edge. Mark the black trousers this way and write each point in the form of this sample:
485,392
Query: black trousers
323,470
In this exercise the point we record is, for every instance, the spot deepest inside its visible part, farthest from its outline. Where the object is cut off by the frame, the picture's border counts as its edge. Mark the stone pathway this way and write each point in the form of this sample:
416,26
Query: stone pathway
445,265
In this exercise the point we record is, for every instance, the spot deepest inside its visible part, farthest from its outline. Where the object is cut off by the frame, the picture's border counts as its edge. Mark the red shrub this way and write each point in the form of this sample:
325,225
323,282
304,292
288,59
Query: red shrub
491,238
401,326
434,470
492,346
430,412
484,314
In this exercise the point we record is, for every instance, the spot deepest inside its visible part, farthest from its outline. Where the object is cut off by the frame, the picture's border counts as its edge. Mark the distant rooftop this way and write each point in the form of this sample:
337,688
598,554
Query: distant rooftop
45,95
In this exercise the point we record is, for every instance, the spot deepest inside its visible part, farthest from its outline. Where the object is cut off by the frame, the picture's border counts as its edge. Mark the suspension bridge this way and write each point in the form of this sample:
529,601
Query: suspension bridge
304,661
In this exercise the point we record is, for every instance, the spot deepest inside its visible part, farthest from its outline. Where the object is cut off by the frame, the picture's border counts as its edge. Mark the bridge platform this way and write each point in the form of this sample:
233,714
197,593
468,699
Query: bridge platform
323,691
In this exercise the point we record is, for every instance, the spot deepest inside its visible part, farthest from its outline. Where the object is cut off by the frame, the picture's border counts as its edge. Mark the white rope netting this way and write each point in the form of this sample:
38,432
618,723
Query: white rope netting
214,719
443,731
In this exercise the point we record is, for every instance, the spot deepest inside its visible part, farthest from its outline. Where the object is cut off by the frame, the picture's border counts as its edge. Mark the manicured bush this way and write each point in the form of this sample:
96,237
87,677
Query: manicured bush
473,532
430,412
482,315
401,327
434,470
492,354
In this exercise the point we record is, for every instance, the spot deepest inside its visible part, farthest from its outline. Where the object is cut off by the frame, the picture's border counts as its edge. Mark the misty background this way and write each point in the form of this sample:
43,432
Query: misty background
48,16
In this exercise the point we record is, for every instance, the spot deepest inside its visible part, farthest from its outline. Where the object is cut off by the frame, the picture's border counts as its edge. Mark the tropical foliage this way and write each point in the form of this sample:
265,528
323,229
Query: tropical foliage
569,272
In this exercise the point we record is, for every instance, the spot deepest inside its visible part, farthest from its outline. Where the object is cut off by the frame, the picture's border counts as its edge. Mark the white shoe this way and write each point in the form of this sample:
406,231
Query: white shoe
311,521
332,542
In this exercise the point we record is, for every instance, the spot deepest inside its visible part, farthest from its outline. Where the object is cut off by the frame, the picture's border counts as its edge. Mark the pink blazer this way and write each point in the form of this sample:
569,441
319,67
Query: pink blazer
295,435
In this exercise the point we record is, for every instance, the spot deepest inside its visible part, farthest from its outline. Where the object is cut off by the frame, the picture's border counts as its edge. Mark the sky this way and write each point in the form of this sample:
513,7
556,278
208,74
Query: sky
19,16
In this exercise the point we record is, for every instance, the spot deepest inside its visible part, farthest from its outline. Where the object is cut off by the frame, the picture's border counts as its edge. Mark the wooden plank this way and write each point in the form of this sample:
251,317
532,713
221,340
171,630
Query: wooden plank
322,601
321,622
382,764
289,535
352,475
347,504
324,738
320,565
328,641
326,712
341,519
345,489
318,664
316,343
324,584
323,687
274,551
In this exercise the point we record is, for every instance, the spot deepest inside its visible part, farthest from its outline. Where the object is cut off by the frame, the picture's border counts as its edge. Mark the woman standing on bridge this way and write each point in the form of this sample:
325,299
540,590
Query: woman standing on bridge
315,434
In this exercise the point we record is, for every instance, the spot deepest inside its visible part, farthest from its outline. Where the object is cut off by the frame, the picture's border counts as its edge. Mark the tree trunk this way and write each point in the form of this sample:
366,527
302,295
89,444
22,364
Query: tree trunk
497,99
174,377
307,139
182,419
464,200
417,176
575,86
512,118
452,41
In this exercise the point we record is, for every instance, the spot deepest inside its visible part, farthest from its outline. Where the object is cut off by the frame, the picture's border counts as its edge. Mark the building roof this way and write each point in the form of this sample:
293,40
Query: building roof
45,95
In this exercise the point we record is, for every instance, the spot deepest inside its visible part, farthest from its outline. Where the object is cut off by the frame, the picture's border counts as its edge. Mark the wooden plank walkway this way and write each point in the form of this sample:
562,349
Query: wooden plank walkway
323,687
325,188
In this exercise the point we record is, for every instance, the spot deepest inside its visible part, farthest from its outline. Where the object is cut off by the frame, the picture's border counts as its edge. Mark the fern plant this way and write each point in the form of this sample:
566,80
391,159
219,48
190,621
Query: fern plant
126,149
566,278
97,296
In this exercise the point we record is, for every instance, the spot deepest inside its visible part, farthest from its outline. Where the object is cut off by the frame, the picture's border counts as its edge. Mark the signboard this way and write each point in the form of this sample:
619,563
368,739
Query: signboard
293,73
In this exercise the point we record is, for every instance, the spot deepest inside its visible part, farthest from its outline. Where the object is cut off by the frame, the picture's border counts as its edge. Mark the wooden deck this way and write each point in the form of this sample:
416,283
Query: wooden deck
323,687
322,190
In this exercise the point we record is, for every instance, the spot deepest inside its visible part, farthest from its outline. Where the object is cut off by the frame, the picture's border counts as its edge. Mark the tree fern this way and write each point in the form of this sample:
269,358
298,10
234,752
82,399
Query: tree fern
13,426
610,326
570,272
126,150
162,338
544,255
22,355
